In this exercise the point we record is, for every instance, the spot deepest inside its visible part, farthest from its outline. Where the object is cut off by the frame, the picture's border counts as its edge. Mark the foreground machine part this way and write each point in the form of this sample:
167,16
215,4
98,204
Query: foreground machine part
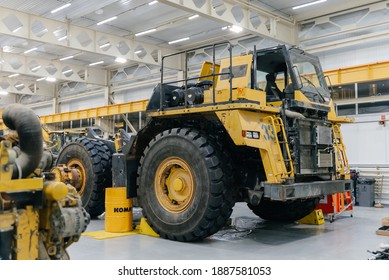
259,128
39,217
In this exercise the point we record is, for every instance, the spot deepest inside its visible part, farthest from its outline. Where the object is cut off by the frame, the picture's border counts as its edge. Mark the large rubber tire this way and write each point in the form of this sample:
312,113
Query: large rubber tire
204,174
93,158
287,211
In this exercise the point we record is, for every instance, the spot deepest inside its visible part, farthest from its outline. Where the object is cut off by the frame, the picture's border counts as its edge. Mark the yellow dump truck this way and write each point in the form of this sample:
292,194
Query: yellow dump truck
258,127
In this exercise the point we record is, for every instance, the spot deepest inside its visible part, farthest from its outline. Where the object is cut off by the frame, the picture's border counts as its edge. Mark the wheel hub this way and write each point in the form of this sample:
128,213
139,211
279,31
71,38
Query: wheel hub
178,184
174,185
81,174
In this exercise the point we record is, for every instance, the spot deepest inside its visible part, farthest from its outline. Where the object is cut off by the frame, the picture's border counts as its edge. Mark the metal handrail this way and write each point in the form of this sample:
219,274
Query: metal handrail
186,79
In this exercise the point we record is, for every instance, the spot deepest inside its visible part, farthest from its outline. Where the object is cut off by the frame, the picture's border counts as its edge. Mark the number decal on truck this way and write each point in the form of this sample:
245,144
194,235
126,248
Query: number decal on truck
269,134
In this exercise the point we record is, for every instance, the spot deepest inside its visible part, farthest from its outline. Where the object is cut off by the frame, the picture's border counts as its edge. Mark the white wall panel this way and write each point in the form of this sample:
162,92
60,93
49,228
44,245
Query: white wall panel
356,55
366,140
368,150
43,111
96,100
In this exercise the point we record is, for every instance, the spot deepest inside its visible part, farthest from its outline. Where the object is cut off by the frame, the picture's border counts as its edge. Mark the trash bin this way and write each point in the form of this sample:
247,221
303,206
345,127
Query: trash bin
365,186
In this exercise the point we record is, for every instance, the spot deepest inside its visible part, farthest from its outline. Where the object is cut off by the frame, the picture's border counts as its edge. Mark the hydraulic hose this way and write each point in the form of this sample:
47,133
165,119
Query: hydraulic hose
27,125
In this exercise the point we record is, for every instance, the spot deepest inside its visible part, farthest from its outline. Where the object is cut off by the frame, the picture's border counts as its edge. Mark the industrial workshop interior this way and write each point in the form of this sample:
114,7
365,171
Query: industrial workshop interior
194,130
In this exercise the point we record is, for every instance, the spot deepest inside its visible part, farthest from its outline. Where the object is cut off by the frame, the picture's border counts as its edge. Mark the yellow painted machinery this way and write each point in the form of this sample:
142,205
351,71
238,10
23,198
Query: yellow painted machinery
40,217
258,127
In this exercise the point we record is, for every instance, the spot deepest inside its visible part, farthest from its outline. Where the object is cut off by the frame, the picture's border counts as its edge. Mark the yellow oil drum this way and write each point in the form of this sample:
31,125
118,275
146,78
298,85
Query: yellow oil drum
118,210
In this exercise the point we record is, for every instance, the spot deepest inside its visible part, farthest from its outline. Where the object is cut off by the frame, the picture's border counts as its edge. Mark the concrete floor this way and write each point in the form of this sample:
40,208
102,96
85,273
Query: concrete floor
347,238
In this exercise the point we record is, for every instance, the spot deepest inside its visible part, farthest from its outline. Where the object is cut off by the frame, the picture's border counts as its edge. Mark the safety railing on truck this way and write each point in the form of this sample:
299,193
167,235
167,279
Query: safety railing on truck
214,75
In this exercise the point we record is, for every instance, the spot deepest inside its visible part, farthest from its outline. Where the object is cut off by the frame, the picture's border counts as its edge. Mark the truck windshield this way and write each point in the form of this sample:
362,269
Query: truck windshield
309,76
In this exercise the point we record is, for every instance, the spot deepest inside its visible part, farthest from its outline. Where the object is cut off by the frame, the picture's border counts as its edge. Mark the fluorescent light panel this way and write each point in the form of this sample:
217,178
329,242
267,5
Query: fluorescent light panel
36,68
60,8
13,75
105,45
308,4
17,29
51,79
67,71
66,58
3,92
30,50
153,2
19,85
193,17
96,63
63,38
120,60
41,79
136,52
107,20
179,40
236,29
145,32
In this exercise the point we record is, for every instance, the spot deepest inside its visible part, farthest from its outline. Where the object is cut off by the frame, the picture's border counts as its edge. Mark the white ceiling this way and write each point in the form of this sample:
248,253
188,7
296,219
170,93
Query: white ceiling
137,15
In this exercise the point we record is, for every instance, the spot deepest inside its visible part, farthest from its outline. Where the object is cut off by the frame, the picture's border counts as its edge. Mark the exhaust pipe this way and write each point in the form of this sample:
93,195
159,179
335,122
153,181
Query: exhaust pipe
27,125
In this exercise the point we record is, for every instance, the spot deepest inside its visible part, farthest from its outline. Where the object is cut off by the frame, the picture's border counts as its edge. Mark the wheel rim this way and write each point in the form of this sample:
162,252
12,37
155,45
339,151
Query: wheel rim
174,185
77,164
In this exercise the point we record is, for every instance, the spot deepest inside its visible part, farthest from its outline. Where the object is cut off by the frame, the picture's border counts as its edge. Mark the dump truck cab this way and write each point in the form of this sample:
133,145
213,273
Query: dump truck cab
257,127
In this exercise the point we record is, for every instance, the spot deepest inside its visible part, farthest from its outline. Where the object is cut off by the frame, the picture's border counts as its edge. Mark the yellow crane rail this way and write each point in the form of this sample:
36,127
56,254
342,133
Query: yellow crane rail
104,111
360,73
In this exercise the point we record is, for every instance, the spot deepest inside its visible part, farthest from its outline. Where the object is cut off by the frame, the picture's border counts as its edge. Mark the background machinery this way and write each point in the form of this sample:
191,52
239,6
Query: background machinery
39,216
257,127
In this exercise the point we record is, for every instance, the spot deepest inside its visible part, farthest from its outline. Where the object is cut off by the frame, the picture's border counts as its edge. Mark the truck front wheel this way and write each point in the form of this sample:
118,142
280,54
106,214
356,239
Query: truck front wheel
185,185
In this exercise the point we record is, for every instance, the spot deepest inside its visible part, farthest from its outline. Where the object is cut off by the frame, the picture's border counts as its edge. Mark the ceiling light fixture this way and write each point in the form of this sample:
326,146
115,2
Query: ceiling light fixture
107,20
36,68
62,38
60,8
236,29
30,50
105,45
3,92
67,71
136,52
17,29
120,60
97,63
41,79
66,58
145,32
225,27
50,79
193,17
13,75
153,2
179,40
309,4
19,85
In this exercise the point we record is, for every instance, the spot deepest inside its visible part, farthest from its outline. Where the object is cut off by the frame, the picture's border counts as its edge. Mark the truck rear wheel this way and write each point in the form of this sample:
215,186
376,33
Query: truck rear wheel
185,185
287,211
92,159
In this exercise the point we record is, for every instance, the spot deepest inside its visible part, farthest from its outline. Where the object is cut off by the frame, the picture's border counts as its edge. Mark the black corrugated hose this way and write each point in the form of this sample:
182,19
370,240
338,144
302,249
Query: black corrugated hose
27,125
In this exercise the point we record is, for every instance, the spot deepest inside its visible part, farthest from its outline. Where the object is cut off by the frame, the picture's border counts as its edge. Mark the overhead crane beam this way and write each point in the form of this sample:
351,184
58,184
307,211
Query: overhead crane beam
360,73
99,112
